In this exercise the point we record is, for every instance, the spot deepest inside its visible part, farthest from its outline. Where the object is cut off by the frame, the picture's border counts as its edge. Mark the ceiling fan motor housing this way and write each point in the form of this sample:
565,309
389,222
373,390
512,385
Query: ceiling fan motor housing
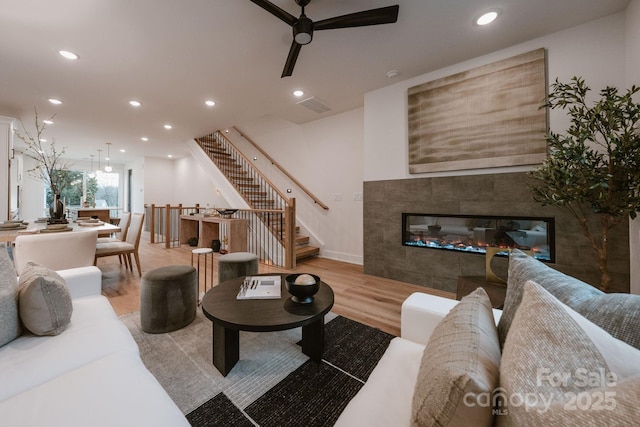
303,30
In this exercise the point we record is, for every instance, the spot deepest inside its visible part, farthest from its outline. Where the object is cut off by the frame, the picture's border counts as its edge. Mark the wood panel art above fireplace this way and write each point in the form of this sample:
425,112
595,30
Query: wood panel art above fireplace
474,233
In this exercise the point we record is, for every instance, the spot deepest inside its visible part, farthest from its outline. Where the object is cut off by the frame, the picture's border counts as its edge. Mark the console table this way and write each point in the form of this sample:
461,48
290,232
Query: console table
207,228
103,214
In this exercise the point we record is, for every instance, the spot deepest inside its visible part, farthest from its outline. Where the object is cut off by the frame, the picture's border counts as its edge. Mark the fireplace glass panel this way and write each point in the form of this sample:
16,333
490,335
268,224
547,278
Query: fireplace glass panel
472,233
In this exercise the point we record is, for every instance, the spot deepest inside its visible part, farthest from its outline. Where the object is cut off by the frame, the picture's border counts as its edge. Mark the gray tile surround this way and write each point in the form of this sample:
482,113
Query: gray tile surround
492,194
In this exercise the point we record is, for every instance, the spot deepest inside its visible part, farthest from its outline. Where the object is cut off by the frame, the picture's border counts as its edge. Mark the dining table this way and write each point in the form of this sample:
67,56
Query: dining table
104,229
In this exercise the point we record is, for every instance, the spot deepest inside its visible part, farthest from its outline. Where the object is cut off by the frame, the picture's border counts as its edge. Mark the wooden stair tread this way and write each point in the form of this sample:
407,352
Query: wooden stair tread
306,252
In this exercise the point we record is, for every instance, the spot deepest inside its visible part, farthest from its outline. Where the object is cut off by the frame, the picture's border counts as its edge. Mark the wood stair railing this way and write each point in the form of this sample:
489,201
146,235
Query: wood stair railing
259,193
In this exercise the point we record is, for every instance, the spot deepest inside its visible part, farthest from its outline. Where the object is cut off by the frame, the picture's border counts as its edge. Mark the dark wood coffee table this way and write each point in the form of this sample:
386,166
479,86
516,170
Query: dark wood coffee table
230,316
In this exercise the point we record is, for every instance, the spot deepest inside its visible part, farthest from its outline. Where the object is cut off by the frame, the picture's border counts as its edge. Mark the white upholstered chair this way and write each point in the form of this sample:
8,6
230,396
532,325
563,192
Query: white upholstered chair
57,251
121,236
127,247
125,220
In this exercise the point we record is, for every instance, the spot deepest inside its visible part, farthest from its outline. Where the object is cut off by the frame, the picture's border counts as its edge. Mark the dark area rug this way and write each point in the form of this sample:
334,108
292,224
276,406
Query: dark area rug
312,395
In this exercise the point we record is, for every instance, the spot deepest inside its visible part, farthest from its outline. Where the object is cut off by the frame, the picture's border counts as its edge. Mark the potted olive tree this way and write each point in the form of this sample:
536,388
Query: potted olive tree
594,167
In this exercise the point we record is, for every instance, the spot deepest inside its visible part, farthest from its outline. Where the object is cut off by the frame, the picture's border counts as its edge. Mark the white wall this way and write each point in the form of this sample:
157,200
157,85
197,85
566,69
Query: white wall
193,185
632,71
603,52
325,156
594,51
173,181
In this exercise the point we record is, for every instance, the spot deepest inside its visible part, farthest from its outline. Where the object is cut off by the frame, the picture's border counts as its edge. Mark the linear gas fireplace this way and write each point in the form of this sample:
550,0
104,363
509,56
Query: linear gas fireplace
474,233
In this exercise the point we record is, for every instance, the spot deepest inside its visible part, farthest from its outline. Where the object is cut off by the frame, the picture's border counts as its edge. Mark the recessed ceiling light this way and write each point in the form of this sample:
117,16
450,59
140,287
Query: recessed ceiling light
210,103
298,93
488,17
55,101
144,138
168,126
67,54
392,74
122,150
47,122
135,103
169,155
43,140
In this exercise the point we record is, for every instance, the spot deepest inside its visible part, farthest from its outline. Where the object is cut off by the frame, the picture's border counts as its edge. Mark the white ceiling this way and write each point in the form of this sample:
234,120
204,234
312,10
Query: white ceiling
173,55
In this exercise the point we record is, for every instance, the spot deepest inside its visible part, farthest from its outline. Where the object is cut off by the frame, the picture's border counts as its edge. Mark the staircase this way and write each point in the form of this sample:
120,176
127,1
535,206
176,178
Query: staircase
303,249
255,189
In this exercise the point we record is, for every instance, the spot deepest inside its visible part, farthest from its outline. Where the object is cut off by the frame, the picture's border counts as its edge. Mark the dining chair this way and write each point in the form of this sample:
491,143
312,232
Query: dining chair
57,251
126,247
125,220
121,236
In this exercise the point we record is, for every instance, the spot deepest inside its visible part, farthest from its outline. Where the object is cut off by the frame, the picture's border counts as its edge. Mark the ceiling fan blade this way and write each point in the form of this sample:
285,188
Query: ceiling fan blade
383,15
276,11
291,59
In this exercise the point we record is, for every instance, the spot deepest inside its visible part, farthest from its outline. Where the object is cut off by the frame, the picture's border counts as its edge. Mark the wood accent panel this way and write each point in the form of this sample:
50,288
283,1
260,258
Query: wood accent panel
489,116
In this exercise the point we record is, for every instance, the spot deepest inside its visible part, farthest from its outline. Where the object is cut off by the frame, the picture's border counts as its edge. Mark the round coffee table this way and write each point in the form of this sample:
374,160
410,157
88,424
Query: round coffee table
230,316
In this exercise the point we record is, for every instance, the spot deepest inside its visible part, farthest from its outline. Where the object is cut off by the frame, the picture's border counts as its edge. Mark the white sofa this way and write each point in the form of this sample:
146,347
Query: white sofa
386,397
551,323
89,375
57,251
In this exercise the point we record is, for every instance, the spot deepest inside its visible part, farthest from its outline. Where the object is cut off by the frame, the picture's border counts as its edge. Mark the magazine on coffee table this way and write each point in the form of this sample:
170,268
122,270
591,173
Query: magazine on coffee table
260,287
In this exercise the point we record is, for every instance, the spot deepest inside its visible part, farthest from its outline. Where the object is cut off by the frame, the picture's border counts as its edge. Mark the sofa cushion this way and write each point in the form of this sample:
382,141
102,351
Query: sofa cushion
385,399
9,320
618,314
460,367
44,301
94,332
114,390
558,368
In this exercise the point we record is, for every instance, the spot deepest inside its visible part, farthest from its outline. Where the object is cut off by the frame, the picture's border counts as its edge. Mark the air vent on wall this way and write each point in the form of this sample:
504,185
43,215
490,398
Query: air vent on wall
314,104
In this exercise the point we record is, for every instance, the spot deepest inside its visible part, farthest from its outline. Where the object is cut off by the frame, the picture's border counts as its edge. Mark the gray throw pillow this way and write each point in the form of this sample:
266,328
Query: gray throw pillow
44,300
9,321
460,367
618,314
560,369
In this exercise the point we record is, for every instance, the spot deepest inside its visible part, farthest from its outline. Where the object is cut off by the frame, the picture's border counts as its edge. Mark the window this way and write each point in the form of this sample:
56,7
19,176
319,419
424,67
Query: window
99,187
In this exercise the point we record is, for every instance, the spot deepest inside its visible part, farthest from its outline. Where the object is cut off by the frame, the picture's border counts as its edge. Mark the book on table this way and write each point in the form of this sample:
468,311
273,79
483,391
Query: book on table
260,287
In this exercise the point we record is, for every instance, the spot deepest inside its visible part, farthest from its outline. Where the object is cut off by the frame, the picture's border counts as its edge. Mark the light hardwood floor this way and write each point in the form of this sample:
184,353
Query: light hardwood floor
371,300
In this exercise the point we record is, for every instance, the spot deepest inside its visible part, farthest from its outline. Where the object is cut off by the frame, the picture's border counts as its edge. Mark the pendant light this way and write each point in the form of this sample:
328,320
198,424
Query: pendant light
92,172
107,167
99,151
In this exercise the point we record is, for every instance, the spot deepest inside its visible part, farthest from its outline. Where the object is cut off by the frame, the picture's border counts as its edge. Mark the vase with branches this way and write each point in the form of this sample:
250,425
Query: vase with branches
50,165
595,166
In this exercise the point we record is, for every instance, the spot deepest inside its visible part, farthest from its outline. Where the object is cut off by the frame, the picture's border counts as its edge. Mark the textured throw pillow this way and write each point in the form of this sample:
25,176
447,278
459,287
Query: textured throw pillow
44,300
9,320
460,367
618,314
558,368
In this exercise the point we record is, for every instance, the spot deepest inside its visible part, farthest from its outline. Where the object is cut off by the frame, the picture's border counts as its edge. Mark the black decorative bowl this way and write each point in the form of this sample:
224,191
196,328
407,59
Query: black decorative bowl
227,212
302,293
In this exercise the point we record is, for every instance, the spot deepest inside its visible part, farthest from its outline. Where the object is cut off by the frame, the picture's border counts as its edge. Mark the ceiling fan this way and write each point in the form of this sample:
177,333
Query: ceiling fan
304,27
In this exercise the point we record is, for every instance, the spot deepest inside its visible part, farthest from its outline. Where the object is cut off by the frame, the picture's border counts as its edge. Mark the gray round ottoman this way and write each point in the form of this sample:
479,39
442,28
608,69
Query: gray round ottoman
168,298
236,264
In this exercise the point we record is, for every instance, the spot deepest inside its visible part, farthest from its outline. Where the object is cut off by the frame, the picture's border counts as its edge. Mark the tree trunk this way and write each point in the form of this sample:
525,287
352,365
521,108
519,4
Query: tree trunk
601,247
